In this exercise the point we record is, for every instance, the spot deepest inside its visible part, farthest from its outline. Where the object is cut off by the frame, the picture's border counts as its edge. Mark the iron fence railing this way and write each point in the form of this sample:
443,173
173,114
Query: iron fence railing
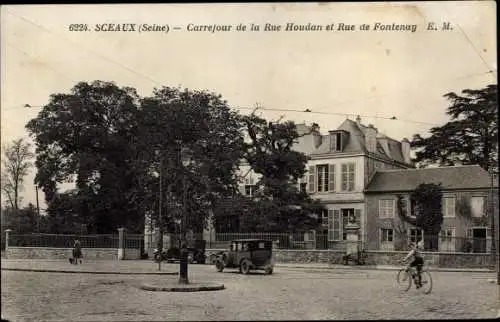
322,241
283,240
291,241
439,244
464,244
67,241
133,241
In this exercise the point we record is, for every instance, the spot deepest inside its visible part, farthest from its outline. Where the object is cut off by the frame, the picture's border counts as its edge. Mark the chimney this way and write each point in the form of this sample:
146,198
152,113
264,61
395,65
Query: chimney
371,138
405,150
317,139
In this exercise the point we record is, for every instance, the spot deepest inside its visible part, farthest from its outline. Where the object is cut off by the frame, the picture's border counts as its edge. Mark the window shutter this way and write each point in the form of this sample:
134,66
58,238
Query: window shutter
337,226
357,215
312,179
352,167
344,177
330,225
331,177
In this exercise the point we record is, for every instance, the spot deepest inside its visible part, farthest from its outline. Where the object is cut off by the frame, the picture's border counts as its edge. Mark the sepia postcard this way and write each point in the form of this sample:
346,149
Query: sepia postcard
249,161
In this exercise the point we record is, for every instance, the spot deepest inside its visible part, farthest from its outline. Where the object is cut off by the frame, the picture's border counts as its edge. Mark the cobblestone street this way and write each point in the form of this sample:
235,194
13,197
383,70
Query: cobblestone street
289,294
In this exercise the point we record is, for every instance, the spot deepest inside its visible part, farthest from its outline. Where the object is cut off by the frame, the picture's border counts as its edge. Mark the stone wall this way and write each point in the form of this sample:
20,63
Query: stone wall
445,260
393,258
130,253
59,253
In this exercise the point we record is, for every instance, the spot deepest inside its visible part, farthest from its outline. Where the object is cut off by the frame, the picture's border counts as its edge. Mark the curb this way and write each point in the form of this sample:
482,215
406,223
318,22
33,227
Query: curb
183,288
86,272
385,268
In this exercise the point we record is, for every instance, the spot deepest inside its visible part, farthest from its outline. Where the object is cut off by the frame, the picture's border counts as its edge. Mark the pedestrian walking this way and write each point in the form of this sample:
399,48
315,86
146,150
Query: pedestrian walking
77,252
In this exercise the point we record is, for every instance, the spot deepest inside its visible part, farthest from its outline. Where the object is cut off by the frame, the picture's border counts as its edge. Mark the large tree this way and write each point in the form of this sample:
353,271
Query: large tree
424,211
195,141
280,205
470,137
85,136
16,163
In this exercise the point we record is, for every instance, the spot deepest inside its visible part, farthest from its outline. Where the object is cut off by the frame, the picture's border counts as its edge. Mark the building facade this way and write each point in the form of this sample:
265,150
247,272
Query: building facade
470,199
341,164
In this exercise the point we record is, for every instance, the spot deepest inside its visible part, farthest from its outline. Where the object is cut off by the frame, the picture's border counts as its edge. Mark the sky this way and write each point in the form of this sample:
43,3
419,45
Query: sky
375,74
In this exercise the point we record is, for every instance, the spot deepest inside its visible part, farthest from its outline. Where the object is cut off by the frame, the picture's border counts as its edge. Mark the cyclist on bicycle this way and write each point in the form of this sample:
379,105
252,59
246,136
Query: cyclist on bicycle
418,261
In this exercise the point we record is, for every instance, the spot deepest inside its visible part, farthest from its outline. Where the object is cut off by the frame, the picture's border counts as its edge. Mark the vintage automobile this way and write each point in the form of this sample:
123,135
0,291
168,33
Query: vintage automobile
247,254
196,253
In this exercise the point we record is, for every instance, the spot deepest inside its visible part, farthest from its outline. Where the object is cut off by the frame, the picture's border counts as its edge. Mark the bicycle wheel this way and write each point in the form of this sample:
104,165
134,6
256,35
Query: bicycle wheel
404,280
426,279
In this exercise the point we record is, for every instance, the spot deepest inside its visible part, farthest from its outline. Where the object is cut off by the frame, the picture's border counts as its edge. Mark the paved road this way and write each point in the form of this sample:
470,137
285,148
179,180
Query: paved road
289,294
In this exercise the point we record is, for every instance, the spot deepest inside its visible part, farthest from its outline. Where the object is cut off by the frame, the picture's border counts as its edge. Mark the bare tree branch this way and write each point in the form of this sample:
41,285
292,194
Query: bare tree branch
16,166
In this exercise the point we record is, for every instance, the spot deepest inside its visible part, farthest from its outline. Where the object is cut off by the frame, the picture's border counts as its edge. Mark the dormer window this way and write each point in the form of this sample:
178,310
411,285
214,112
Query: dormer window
336,141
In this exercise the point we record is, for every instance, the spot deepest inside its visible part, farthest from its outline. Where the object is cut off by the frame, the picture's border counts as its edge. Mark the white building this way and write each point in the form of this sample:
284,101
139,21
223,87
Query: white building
340,166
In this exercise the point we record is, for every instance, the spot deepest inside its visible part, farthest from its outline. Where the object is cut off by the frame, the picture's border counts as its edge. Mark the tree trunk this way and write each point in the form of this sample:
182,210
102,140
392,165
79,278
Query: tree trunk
16,197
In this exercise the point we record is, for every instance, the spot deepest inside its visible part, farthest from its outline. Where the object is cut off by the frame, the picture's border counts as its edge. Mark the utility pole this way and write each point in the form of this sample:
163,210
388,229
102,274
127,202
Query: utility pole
37,210
160,207
183,269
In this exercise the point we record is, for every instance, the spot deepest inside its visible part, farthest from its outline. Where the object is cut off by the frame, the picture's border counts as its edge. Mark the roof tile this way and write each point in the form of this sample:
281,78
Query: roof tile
455,177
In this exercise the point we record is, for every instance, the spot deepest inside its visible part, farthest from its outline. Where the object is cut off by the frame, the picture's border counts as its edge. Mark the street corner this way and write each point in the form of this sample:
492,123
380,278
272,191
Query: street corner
176,287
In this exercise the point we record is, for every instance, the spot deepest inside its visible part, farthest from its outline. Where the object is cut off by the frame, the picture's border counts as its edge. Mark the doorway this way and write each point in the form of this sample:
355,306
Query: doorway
479,240
322,239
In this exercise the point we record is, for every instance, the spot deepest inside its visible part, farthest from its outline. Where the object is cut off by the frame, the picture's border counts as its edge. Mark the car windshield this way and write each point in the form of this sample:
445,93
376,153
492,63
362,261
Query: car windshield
250,245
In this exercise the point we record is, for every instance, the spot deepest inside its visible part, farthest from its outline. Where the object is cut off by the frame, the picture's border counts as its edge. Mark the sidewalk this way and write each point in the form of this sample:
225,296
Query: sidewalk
109,267
376,267
148,267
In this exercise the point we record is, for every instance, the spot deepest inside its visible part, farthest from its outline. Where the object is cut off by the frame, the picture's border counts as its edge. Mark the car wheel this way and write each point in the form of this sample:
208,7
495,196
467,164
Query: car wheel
219,265
245,266
211,259
157,258
269,270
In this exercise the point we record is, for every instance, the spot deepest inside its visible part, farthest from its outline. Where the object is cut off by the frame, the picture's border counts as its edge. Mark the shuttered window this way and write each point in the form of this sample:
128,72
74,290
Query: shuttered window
348,176
312,179
331,177
334,225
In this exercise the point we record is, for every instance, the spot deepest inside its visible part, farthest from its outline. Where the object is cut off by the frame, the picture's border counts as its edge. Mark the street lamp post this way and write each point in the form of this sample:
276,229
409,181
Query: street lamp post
160,229
37,211
183,269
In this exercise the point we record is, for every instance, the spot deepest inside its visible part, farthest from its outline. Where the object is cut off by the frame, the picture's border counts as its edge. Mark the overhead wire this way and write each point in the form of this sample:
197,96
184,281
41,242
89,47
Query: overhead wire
478,53
159,84
393,118
247,108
